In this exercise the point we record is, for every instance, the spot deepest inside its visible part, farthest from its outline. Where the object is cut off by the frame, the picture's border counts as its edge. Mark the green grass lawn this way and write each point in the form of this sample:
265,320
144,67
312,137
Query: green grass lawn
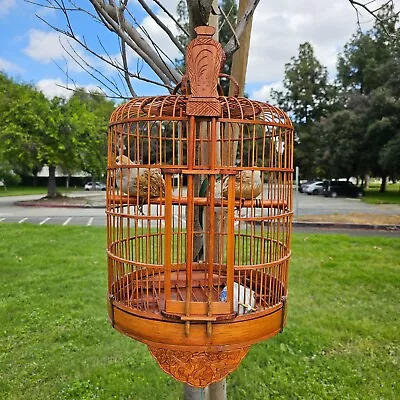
26,190
390,196
342,339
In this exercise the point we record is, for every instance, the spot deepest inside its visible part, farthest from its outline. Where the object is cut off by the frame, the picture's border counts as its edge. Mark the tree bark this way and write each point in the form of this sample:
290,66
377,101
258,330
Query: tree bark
199,13
51,185
382,189
240,58
35,179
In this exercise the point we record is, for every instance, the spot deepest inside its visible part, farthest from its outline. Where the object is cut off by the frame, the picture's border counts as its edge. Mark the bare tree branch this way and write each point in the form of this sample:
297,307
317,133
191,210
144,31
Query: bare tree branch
199,13
123,54
162,26
78,59
118,19
103,93
172,17
233,43
226,19
156,47
132,38
109,61
374,12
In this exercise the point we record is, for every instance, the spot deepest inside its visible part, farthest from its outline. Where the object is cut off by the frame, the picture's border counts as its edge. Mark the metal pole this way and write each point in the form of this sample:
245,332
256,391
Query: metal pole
218,390
297,192
192,393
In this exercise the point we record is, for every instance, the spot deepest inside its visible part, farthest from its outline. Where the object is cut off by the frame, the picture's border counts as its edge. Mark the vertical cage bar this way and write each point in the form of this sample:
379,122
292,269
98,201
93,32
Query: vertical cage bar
168,247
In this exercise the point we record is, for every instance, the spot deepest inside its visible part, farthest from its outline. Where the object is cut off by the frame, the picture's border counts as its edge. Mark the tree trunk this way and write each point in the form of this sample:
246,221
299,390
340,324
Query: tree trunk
240,58
35,179
199,13
383,184
51,185
93,183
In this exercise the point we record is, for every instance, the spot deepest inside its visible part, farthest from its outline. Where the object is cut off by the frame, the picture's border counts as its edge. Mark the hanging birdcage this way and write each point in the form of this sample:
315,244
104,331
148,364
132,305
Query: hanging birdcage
199,210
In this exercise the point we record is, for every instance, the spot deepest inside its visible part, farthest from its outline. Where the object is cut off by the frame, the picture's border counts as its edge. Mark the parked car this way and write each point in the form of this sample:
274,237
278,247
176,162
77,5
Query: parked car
314,188
98,186
342,188
304,185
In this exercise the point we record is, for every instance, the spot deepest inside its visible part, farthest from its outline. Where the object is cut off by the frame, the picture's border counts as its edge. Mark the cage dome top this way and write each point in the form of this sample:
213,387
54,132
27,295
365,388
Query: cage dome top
199,92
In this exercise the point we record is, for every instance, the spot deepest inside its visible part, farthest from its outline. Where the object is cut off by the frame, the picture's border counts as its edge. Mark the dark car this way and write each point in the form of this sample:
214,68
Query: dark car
342,188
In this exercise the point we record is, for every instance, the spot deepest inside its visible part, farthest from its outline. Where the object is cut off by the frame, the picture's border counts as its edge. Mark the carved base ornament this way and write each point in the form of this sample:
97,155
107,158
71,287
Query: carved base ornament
198,369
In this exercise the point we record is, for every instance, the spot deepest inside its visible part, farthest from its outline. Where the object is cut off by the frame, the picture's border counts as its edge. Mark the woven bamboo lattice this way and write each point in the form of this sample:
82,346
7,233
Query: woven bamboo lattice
199,210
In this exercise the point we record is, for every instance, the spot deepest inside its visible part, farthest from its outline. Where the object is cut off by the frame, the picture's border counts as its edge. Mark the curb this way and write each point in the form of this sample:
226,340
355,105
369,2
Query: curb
341,225
54,205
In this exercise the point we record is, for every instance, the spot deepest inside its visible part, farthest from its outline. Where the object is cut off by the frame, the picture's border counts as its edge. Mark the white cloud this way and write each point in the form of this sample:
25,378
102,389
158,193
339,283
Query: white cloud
8,66
280,27
47,47
56,87
6,6
44,46
264,93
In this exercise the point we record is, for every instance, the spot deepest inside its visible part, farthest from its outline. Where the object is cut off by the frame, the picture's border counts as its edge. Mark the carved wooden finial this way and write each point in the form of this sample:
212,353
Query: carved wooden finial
204,59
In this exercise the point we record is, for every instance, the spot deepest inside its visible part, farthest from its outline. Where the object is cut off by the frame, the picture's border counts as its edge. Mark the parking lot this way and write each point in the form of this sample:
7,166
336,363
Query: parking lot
305,204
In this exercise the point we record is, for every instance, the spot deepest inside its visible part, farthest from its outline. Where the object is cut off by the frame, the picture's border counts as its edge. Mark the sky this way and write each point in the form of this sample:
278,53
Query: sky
31,51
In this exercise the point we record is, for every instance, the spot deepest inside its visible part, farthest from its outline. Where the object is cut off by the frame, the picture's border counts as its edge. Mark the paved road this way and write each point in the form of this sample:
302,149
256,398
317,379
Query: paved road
318,205
303,205
49,215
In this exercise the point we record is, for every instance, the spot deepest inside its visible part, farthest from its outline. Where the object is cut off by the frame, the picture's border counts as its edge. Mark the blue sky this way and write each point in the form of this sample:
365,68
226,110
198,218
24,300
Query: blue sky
30,50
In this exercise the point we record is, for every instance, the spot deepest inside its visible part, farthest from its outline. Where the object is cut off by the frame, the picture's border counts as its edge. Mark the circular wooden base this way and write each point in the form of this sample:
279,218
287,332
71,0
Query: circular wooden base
198,356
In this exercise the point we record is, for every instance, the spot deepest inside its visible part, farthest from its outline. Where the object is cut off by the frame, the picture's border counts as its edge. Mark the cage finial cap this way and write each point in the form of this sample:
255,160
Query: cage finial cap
204,59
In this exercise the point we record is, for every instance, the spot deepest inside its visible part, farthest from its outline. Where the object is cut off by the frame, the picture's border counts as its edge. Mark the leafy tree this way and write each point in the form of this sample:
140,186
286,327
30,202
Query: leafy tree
307,96
93,155
360,65
389,157
341,152
79,140
35,131
369,66
25,115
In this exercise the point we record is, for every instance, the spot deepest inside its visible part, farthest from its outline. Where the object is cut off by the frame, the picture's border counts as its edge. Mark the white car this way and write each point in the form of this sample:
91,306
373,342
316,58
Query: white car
98,186
314,188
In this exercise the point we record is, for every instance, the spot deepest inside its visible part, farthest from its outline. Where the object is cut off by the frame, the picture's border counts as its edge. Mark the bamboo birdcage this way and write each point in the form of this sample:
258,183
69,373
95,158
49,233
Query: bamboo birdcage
199,211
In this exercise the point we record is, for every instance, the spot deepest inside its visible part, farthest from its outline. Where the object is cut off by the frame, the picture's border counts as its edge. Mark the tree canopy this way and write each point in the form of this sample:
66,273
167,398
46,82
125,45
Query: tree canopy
349,127
307,97
35,131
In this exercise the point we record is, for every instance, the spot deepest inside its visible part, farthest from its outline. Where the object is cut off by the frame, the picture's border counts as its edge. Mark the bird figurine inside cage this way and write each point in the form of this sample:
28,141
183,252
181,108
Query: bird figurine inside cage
199,212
